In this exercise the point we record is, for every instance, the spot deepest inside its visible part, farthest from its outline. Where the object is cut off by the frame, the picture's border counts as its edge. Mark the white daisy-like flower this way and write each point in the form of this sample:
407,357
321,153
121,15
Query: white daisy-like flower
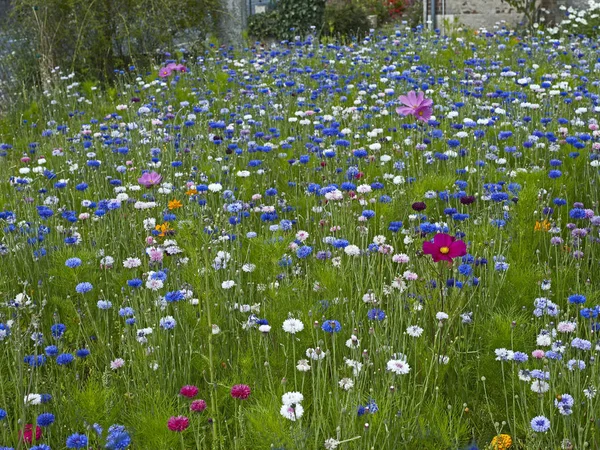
398,366
346,384
414,331
292,412
303,365
292,398
292,325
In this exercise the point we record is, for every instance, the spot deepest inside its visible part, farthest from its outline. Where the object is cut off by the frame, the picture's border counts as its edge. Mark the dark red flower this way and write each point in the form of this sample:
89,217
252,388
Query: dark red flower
419,206
240,391
189,391
27,433
198,406
179,423
444,248
467,200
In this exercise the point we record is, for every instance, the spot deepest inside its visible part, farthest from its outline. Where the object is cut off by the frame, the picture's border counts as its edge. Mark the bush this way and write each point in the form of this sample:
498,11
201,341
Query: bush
264,26
346,19
94,39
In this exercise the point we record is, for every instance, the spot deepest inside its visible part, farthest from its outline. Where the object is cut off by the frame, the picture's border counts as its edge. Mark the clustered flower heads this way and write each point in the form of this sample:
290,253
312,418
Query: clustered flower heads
291,408
342,226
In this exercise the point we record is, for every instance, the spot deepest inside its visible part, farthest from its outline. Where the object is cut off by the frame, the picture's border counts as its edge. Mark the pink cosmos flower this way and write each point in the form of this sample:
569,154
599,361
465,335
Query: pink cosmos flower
176,67
149,179
179,423
189,391
240,391
166,71
416,105
444,247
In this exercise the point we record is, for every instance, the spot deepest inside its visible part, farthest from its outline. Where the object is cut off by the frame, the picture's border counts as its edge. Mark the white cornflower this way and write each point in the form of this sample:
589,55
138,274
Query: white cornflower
292,326
414,331
398,366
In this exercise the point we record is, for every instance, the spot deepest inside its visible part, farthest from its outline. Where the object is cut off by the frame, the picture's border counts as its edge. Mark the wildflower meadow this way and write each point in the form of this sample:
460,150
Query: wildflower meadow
391,243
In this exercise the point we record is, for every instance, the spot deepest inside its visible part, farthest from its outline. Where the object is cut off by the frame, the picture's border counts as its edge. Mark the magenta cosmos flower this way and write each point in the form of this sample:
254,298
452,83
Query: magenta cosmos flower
149,179
240,391
170,68
179,423
444,248
416,105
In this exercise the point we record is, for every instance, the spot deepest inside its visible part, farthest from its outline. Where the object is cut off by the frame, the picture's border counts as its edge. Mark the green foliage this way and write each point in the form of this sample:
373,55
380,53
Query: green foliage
263,25
289,18
346,19
298,16
95,38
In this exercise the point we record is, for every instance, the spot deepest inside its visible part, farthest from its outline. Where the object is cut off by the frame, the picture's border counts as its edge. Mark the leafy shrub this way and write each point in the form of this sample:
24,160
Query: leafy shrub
94,39
579,22
296,17
346,19
264,25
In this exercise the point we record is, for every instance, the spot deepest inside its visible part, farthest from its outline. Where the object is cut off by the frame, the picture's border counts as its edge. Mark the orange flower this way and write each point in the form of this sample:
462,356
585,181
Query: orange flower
542,226
191,192
501,442
174,204
164,229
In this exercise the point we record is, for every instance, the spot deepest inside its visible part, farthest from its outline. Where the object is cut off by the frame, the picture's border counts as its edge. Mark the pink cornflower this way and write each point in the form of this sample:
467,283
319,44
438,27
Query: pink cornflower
149,179
27,433
179,423
538,354
444,248
240,391
198,406
189,391
416,105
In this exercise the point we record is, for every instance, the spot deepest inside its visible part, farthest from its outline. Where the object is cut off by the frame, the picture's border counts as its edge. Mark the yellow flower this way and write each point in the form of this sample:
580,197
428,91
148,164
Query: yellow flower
542,226
174,204
501,442
164,229
191,192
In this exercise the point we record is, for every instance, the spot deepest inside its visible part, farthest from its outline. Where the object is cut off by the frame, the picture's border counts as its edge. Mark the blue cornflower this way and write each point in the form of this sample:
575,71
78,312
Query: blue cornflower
2,414
84,287
64,359
465,269
577,213
135,283
45,419
331,326
35,361
82,353
58,330
51,350
118,438
394,227
303,251
174,296
104,304
167,323
77,440
520,357
73,262
540,424
40,447
126,311
577,299
581,344
376,314
368,213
